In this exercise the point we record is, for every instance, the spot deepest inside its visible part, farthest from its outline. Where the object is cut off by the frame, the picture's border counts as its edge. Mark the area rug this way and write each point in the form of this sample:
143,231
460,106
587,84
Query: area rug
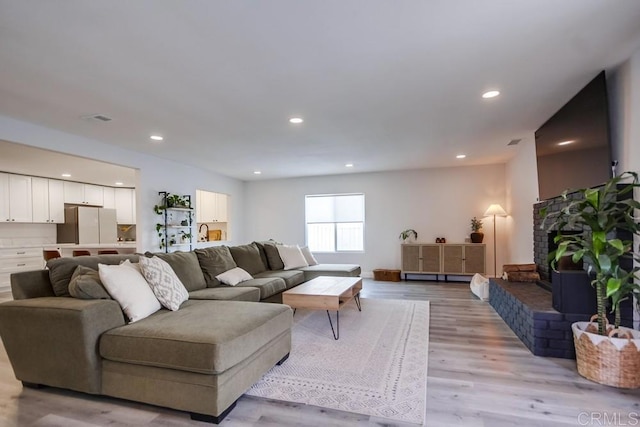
378,367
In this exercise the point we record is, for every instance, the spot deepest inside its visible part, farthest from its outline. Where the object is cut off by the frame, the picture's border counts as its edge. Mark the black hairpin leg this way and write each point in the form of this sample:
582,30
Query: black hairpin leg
357,298
335,336
294,311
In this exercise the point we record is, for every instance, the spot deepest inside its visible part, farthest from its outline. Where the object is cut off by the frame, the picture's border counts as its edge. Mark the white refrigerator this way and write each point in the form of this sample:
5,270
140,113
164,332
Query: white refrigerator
88,225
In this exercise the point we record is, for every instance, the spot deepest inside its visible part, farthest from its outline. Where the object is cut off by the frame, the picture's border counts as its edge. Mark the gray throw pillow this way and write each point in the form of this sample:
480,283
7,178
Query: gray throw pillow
273,256
61,269
247,257
187,268
213,261
85,284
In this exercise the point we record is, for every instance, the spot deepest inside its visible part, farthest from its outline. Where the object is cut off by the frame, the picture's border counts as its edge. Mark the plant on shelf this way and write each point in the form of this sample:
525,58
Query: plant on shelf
185,236
476,235
176,201
408,234
604,221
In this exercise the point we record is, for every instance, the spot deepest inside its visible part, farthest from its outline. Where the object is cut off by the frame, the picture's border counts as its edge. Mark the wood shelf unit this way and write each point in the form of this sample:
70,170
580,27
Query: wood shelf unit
455,259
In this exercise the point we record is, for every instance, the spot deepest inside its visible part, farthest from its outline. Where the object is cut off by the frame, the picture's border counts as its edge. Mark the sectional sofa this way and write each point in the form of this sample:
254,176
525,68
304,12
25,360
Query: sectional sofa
200,358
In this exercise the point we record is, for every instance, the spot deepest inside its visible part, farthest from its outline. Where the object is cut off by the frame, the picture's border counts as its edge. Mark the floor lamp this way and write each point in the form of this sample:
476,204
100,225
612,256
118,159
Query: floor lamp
494,211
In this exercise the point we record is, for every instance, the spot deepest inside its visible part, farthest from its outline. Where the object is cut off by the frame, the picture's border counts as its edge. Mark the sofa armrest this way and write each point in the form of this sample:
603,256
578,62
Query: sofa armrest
54,340
31,284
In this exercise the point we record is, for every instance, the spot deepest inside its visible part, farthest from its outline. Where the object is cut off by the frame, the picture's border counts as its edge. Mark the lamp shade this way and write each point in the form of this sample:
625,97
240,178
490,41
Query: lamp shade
495,210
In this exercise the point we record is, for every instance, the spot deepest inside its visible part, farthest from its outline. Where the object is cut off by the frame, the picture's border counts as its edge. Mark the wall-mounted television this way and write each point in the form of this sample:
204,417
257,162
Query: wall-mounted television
573,147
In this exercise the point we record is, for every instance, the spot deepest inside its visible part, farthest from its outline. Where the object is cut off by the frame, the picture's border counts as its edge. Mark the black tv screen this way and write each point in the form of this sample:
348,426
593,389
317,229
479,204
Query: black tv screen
573,147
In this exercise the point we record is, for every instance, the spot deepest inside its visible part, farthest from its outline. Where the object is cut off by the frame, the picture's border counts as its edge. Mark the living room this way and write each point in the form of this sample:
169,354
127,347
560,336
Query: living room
437,200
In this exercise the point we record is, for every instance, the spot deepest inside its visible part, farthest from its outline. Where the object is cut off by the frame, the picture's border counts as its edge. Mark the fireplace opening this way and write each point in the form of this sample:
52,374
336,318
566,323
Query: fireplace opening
565,263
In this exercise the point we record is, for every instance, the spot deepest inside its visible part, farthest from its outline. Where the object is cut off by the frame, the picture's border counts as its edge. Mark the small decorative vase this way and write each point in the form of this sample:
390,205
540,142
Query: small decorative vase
477,237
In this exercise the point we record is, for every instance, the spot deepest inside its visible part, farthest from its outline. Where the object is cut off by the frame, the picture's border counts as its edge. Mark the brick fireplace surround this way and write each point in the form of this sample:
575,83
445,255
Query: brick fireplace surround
527,307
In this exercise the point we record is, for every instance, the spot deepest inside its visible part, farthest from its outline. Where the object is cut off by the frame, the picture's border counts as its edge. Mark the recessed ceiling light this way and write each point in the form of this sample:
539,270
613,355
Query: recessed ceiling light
257,172
296,120
461,156
119,183
566,142
66,175
156,137
490,94
348,165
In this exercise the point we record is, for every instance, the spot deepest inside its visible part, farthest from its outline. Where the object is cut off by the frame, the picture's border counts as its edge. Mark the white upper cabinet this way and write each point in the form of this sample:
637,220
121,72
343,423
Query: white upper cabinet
47,197
20,204
4,197
83,194
211,207
109,197
125,202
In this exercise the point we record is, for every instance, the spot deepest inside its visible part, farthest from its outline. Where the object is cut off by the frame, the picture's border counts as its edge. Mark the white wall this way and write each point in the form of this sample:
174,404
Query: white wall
154,174
434,202
522,193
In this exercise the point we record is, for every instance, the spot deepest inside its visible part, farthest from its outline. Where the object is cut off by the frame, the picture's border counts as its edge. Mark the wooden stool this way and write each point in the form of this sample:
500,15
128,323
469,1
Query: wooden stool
50,254
108,252
81,252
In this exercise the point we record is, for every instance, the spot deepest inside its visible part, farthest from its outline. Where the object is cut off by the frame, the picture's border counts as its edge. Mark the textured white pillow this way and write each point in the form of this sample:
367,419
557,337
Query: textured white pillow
234,276
308,256
126,285
291,256
164,282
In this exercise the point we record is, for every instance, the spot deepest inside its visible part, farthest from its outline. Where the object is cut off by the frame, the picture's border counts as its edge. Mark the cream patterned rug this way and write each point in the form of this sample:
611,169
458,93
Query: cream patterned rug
378,367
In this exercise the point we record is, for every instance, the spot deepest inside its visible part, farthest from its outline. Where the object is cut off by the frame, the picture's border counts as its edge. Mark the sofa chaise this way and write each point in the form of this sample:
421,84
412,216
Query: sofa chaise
200,358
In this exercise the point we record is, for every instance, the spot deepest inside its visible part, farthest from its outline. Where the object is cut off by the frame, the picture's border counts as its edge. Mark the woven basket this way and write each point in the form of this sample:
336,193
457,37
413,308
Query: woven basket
606,359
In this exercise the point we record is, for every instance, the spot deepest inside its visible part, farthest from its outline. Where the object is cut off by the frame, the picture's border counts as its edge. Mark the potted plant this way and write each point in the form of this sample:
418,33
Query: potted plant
408,235
476,235
599,217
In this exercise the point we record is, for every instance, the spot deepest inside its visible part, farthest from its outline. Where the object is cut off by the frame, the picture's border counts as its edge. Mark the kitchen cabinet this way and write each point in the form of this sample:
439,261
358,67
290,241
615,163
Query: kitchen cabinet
4,197
109,197
15,260
443,258
211,207
83,194
47,197
20,204
125,201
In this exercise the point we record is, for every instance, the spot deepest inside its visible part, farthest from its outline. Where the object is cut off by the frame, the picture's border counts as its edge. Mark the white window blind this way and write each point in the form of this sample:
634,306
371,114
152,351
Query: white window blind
335,222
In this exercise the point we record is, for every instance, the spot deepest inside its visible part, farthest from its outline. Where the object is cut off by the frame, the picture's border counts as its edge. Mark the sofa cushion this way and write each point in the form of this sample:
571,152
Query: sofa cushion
206,337
271,256
164,282
291,277
85,284
292,257
213,261
234,276
345,270
233,293
248,258
187,268
268,286
126,285
61,269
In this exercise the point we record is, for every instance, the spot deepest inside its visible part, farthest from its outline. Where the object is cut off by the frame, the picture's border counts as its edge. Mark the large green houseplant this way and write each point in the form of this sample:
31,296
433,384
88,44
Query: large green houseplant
604,222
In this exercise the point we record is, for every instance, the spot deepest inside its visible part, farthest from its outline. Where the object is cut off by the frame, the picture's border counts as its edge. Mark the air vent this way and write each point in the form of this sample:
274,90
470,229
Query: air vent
97,117
514,141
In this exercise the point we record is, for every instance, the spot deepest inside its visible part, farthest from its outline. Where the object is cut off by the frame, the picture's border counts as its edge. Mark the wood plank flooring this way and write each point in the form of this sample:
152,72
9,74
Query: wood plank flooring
480,375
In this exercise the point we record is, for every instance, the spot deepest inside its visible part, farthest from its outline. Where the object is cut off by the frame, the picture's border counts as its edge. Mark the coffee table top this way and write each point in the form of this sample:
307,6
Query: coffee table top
325,285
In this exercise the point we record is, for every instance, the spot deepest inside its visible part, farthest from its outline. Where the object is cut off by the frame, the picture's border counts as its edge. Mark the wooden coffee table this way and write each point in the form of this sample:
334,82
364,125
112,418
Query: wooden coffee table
325,293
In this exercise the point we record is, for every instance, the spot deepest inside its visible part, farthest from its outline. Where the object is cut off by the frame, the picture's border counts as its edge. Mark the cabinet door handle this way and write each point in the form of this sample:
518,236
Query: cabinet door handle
21,265
20,253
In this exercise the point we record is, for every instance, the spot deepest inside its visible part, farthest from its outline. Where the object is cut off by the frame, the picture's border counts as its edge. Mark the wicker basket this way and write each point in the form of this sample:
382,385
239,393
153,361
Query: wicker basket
605,359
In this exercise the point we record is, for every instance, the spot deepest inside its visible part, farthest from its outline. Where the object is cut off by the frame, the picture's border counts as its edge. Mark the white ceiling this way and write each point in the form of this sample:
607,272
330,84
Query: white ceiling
383,84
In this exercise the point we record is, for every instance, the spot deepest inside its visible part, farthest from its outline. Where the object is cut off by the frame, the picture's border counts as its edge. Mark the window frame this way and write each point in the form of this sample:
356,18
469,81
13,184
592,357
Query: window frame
335,223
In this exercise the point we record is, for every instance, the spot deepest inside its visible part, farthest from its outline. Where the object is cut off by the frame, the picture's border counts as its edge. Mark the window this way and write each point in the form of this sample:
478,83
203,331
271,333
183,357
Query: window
335,222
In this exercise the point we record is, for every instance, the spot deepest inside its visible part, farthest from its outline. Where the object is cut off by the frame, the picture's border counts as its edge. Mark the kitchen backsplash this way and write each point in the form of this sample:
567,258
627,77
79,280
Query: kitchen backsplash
12,235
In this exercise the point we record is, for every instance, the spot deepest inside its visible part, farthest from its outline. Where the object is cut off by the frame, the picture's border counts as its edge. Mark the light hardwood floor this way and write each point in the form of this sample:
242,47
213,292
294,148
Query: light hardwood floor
480,374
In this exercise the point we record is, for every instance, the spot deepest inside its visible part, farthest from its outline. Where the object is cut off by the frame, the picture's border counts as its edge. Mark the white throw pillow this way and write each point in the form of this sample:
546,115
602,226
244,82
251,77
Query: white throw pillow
234,276
126,285
291,256
164,282
308,256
